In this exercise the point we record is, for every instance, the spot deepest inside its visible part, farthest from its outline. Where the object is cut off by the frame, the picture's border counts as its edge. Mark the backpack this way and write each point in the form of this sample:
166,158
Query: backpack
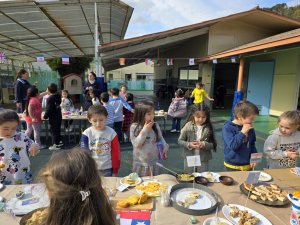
177,108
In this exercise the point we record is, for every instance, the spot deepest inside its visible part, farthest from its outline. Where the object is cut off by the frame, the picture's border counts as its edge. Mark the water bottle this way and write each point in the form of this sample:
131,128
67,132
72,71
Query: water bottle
158,106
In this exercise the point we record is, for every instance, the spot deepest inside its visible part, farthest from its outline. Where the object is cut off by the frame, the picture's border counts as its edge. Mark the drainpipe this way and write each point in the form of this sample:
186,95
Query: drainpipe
238,94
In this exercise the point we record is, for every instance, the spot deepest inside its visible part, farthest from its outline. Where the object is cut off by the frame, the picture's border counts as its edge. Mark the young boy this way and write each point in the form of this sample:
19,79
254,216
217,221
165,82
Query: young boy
102,141
239,138
199,93
117,103
104,98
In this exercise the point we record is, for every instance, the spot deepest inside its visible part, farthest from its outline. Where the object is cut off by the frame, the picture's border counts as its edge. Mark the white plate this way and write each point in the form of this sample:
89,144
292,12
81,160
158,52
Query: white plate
139,180
151,194
209,221
215,176
205,201
264,177
226,210
1,186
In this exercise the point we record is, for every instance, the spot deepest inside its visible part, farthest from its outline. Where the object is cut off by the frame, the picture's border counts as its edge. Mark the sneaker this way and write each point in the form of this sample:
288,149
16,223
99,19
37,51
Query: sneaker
173,130
70,129
178,131
43,146
60,144
54,147
67,129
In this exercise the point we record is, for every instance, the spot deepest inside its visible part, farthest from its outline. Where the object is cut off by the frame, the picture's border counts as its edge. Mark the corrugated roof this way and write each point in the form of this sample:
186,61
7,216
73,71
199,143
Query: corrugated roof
57,28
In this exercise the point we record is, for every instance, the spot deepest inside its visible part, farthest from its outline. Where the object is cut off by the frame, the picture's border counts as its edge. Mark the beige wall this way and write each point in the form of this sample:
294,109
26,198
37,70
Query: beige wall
119,74
229,34
286,79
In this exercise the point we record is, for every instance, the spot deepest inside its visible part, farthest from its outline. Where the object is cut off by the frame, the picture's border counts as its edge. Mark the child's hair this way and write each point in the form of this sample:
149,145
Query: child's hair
20,73
93,92
244,109
67,92
140,111
96,110
129,97
8,115
123,85
93,74
179,93
201,108
114,91
52,88
200,84
68,176
292,116
31,92
104,97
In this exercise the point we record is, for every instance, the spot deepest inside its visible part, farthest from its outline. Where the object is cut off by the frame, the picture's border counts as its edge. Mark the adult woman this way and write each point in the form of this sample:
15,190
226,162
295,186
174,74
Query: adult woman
90,85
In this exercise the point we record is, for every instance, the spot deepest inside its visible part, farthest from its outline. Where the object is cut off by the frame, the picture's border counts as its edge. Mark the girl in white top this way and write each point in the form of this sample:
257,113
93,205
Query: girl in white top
145,135
282,147
66,106
95,99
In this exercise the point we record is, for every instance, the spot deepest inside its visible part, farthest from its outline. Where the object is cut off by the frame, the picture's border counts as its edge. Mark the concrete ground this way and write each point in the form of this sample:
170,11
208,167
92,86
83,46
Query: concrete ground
262,127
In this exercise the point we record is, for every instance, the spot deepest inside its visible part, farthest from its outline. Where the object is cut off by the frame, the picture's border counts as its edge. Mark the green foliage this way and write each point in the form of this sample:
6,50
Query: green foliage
283,9
77,65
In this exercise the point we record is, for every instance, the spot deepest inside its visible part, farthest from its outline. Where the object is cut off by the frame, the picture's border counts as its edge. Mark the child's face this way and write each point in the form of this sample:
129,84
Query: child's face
286,127
199,118
149,117
123,89
198,86
246,120
8,129
92,95
98,122
64,94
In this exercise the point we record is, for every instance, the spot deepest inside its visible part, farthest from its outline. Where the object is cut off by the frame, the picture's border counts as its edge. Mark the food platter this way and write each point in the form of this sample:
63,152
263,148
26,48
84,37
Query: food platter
211,176
216,221
26,217
184,177
264,194
124,180
151,188
205,203
226,211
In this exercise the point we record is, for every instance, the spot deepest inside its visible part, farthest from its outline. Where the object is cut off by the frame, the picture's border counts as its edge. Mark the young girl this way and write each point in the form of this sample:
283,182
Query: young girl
66,106
282,147
197,137
53,113
144,136
15,148
94,97
75,191
123,91
33,112
128,116
177,110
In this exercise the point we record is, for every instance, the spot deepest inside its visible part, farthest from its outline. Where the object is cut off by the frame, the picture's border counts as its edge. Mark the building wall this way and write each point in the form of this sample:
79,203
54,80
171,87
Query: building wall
229,34
286,79
119,74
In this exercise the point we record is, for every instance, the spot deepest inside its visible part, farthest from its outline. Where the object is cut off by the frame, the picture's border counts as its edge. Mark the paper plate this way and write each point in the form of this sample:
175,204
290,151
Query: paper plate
210,221
226,209
138,181
149,193
211,176
264,177
1,187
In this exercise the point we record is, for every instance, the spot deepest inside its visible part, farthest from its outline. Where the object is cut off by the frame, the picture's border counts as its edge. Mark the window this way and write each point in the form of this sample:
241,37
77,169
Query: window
189,76
141,77
110,76
74,82
128,77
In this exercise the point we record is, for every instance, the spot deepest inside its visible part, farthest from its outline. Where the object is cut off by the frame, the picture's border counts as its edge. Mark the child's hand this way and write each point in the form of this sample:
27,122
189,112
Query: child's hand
193,144
34,150
148,125
201,144
165,155
252,165
246,128
292,154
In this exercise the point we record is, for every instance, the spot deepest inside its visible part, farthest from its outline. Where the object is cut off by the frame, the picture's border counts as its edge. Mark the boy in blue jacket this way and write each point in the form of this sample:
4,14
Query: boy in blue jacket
239,137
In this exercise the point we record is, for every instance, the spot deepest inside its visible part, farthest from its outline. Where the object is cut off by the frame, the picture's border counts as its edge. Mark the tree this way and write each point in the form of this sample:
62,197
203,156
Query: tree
283,9
77,65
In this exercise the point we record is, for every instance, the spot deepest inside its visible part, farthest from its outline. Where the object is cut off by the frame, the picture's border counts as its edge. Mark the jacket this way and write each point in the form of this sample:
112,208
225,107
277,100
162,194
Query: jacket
275,149
237,146
53,110
177,108
21,87
188,134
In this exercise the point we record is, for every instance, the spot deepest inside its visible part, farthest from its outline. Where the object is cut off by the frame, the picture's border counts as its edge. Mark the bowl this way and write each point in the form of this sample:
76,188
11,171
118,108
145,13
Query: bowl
201,180
226,180
184,177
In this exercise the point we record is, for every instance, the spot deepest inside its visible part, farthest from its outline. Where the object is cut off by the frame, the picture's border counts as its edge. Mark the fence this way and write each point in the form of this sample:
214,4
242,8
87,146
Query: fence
139,85
44,78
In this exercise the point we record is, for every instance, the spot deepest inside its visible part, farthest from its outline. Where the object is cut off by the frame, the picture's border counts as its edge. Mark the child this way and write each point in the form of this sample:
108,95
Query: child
282,147
123,91
33,112
45,98
128,116
144,136
94,97
104,97
75,191
117,103
197,137
66,106
102,141
177,110
199,93
53,113
239,137
15,148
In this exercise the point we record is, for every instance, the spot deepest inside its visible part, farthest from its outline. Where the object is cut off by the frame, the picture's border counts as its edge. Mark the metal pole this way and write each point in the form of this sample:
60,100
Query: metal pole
97,62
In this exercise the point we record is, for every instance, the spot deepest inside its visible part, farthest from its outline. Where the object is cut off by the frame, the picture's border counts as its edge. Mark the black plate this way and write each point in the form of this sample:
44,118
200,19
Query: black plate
29,215
184,181
267,202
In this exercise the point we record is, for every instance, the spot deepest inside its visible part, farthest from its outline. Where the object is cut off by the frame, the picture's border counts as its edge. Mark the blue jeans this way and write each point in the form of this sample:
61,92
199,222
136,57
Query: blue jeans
176,123
106,172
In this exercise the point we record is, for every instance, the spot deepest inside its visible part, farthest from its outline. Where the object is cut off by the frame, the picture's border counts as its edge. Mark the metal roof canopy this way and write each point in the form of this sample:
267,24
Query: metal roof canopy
137,48
58,28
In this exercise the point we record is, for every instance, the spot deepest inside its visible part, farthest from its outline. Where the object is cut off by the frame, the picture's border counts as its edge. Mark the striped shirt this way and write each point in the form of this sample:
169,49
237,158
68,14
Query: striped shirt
111,113
117,104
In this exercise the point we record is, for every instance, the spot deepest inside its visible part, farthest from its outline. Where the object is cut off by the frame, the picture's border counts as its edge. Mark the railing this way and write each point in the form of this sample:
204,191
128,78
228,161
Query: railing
140,85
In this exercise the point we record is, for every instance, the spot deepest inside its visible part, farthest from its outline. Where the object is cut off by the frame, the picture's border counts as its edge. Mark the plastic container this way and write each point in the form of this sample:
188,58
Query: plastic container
295,211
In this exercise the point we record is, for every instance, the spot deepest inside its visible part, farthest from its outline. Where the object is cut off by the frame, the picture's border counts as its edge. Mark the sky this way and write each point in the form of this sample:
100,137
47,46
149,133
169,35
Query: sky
151,16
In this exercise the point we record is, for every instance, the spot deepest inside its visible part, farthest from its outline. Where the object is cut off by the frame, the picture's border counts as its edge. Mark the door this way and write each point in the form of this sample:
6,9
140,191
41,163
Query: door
260,85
